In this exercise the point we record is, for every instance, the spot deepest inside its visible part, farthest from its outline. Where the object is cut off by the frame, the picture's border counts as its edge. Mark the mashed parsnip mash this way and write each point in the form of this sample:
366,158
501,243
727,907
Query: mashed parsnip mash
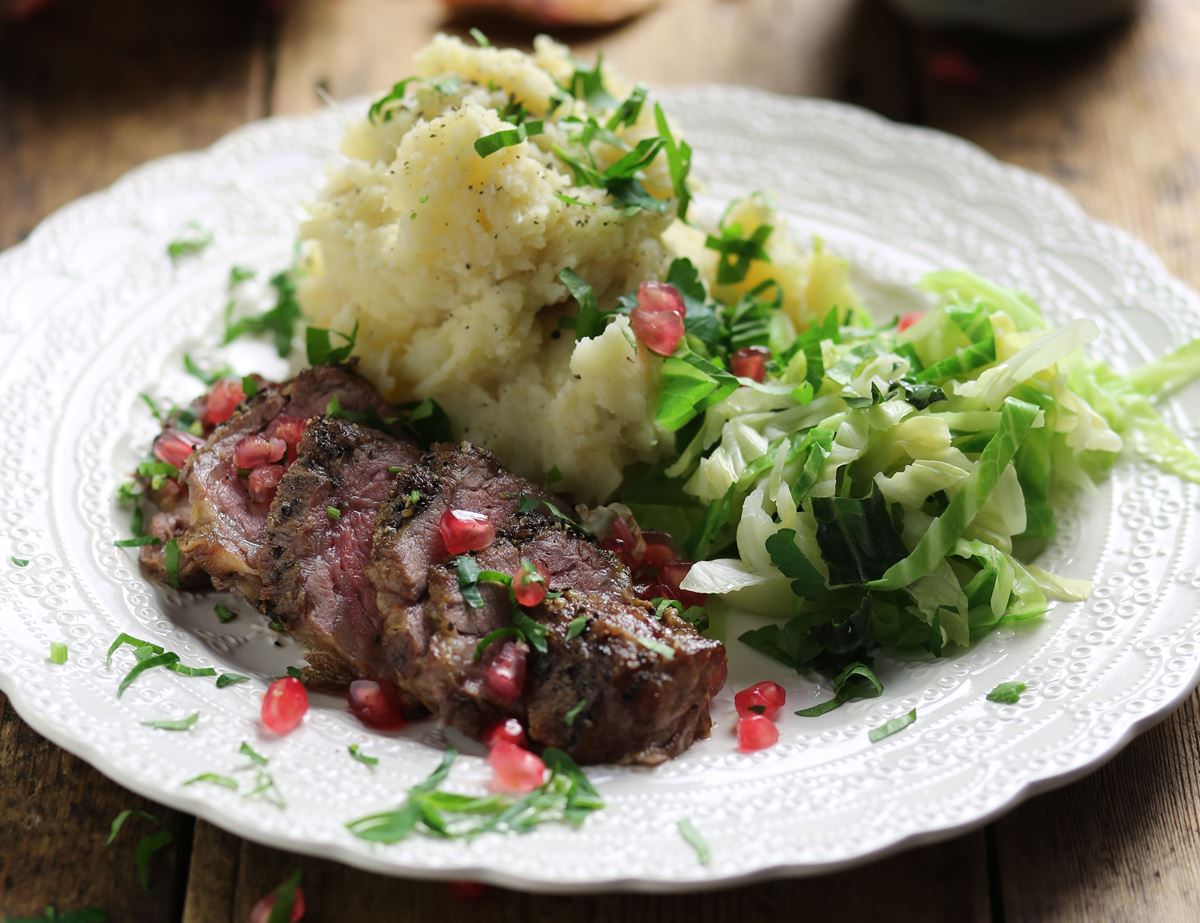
449,261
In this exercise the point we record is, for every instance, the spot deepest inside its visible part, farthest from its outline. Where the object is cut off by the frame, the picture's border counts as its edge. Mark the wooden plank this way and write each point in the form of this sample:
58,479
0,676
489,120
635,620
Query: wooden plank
1111,116
88,91
55,814
942,882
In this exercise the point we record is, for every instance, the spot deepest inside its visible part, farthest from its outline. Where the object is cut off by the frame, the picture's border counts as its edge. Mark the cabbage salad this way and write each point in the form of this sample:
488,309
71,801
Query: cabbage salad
886,486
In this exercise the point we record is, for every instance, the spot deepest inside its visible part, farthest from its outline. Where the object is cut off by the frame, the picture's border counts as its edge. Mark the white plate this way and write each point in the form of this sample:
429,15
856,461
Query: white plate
92,312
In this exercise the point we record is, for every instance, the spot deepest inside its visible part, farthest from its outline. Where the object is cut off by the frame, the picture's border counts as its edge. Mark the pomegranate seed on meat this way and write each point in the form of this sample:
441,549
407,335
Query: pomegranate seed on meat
256,451
529,584
504,670
463,531
750,362
222,401
261,911
765,698
756,732
376,704
672,575
907,320
284,704
466,891
174,447
514,769
291,431
263,482
508,730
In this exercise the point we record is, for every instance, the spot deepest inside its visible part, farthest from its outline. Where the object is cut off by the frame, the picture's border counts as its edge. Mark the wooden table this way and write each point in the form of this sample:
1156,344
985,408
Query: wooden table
94,88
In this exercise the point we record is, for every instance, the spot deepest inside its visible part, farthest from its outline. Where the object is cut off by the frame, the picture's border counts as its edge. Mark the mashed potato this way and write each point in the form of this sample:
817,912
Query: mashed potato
449,263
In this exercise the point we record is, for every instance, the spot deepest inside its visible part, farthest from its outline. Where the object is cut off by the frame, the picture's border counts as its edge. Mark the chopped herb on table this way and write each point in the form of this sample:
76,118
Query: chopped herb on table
147,846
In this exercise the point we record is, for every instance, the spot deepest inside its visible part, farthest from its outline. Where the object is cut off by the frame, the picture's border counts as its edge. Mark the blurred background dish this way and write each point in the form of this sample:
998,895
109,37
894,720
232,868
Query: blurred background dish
1020,17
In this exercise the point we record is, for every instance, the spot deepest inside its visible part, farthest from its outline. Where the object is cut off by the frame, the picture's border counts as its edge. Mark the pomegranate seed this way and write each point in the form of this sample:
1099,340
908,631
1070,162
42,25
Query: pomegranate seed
660,550
508,730
463,531
660,331
907,320
256,451
765,698
263,482
261,911
514,769
951,68
504,672
754,732
529,584
659,296
652,590
291,431
174,447
377,704
750,362
222,401
284,704
466,891
672,575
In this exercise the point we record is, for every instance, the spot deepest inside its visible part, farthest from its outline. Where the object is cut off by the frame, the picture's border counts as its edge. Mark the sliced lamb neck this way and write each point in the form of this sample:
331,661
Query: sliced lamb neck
636,689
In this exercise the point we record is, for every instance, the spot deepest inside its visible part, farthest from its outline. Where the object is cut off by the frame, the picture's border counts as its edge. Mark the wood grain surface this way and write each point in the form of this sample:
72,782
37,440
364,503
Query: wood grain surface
92,89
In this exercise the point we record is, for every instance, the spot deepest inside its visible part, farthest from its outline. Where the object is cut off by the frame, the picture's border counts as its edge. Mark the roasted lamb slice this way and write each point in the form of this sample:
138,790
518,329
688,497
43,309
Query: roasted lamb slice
637,689
229,519
318,541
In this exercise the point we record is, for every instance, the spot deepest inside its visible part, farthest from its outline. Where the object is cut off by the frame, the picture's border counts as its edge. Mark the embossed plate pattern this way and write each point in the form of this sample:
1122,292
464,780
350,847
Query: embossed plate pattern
92,312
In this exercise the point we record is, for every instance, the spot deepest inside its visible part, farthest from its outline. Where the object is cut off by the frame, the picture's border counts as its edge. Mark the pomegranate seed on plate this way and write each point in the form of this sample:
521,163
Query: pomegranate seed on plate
755,732
463,531
529,584
263,482
672,575
907,320
174,447
222,401
514,769
261,911
750,362
506,729
765,698
466,891
376,704
284,704
258,450
504,670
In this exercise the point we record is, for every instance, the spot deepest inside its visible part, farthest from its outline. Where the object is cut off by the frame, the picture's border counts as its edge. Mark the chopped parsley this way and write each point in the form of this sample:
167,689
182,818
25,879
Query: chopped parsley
138,541
369,761
224,613
480,39
384,108
588,321
154,410
888,728
249,386
215,778
285,900
148,657
263,786
576,627
573,713
238,275
508,631
318,344
692,837
333,512
19,562
208,378
679,161
174,724
566,795
231,679
147,846
279,321
1007,693
738,252
857,681
553,476
653,644
194,240
58,653
171,561
507,137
